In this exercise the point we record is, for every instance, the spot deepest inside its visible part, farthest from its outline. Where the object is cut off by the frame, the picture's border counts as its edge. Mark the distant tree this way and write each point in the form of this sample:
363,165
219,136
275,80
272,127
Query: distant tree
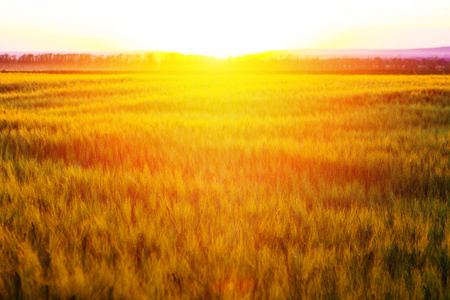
431,64
150,61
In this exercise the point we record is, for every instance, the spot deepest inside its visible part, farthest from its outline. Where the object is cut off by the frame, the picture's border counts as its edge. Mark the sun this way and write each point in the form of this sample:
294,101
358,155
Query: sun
219,29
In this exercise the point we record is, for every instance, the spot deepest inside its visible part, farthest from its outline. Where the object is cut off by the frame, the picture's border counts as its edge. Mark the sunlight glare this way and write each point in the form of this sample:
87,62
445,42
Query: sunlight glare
202,27
221,28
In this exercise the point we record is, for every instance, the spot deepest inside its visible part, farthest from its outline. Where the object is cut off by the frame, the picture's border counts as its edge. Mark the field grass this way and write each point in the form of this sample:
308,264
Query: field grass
137,186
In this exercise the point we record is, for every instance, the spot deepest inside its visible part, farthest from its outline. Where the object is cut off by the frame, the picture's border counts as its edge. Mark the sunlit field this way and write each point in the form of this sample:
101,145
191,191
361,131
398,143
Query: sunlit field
158,185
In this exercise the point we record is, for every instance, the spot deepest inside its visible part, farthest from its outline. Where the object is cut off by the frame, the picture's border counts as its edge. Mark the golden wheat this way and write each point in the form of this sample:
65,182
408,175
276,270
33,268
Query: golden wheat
224,186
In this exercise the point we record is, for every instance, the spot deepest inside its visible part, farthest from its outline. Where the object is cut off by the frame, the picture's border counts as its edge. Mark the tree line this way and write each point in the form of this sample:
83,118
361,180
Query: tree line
76,61
177,61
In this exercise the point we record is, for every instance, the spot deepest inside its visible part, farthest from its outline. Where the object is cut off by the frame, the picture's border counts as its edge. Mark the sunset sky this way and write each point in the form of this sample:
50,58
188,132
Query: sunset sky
221,28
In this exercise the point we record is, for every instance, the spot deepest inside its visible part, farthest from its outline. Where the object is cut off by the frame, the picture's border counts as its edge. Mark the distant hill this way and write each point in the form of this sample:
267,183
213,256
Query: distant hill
441,52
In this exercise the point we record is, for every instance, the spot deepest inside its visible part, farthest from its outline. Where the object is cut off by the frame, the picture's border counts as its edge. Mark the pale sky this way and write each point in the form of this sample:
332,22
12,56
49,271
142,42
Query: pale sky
221,28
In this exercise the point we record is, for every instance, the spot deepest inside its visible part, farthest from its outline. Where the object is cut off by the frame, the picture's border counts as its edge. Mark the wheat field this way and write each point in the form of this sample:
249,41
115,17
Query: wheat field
224,186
